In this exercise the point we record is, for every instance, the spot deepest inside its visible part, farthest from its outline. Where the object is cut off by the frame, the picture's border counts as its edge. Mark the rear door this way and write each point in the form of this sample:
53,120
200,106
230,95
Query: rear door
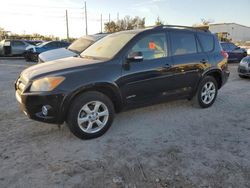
147,80
189,60
17,47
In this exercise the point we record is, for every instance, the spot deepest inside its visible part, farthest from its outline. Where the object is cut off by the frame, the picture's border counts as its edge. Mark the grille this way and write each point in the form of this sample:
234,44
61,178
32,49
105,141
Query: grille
242,70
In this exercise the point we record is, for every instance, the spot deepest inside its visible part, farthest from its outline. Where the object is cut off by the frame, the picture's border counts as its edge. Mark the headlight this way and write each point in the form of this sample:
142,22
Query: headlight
46,84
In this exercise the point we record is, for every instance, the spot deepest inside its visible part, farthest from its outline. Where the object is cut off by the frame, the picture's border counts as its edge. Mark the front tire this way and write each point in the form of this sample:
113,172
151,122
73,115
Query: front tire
90,115
206,93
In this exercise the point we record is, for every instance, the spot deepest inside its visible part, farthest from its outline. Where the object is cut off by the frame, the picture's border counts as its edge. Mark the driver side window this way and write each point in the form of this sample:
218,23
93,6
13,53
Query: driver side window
152,46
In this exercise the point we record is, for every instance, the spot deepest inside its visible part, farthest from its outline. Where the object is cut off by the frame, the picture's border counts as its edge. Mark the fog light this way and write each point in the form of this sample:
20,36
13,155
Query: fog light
45,110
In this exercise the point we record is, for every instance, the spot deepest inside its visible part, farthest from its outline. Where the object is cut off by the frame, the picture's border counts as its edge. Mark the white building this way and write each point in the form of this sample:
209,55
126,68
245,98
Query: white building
237,32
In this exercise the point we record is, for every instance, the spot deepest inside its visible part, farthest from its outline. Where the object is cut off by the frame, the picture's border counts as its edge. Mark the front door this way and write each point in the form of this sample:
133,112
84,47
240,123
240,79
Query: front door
148,79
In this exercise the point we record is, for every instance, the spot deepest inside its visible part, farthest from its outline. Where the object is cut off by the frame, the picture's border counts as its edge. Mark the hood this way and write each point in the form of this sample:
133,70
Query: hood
57,67
56,54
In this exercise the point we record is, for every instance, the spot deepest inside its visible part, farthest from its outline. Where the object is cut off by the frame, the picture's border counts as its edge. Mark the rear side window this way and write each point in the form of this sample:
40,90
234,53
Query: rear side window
207,42
183,43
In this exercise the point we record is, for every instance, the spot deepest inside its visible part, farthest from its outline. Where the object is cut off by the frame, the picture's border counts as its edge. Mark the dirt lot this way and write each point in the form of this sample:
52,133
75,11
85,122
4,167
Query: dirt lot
167,145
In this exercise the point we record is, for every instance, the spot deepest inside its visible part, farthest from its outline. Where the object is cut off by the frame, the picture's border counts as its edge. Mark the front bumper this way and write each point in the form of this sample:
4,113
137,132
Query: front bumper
31,104
244,70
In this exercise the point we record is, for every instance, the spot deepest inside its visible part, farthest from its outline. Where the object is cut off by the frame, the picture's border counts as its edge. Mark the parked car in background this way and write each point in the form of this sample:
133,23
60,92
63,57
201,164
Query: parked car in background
9,47
235,53
124,70
75,49
244,67
32,52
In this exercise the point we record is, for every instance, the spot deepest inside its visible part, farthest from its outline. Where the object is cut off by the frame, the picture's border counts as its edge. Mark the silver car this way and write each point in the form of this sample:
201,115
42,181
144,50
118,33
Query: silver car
10,47
75,49
244,68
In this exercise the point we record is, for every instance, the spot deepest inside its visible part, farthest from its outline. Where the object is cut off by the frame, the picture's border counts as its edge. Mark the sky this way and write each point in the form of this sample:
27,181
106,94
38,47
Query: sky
47,17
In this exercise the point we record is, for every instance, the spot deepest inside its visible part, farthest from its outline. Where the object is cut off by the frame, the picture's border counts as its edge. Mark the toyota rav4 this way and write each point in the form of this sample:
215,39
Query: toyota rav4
124,70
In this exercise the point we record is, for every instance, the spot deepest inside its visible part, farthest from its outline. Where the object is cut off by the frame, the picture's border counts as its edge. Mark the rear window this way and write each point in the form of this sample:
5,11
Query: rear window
183,43
207,42
224,46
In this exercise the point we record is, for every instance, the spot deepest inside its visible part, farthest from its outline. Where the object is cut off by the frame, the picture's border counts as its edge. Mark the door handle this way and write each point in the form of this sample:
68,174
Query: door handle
204,61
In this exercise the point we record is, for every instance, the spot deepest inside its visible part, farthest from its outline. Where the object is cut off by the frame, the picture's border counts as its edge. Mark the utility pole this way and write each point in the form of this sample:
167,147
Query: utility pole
101,23
117,16
86,18
109,17
67,25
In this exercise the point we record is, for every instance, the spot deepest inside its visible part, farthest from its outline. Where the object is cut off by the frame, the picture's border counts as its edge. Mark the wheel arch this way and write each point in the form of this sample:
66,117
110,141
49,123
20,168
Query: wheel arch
216,74
108,89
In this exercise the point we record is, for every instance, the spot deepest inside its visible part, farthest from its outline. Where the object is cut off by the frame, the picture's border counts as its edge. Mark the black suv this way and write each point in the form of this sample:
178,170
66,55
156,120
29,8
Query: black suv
124,70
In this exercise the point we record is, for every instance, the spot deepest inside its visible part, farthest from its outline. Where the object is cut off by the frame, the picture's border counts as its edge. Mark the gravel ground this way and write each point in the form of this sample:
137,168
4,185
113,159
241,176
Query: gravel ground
166,145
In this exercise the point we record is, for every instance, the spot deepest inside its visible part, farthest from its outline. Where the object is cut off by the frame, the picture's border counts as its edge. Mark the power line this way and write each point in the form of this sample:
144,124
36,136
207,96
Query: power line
42,6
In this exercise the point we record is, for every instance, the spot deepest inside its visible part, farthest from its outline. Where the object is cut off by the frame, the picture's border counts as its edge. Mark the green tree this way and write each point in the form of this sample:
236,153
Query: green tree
3,33
206,21
127,23
111,27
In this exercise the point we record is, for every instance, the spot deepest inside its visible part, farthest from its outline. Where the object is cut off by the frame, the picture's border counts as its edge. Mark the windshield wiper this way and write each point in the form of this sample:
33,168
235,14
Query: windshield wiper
75,51
87,57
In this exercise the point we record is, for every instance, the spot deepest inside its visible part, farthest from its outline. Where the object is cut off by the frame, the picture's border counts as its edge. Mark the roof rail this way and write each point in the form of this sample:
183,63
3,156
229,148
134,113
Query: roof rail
197,28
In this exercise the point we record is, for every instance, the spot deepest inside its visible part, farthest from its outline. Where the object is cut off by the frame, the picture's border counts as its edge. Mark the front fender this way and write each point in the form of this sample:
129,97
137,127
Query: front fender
101,87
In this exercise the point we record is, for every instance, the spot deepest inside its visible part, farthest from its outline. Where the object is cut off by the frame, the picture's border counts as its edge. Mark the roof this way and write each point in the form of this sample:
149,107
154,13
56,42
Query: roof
197,28
175,27
229,24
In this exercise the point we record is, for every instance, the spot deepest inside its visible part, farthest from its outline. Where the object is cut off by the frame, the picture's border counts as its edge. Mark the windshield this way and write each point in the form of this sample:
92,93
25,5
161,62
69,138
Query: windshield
109,46
80,45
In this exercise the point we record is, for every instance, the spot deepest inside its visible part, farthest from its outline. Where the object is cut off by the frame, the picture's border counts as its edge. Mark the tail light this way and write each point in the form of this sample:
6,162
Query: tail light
224,54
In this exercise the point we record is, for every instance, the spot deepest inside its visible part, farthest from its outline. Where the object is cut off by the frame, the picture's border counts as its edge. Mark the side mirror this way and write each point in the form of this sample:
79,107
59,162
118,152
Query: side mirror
135,57
237,48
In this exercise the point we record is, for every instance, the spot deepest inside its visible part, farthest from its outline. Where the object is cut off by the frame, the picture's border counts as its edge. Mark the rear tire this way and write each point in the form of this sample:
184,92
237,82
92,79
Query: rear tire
90,115
206,93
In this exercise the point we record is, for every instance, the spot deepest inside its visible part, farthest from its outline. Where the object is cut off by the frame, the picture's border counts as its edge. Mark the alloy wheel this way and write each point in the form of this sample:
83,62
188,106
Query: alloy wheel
93,116
208,93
